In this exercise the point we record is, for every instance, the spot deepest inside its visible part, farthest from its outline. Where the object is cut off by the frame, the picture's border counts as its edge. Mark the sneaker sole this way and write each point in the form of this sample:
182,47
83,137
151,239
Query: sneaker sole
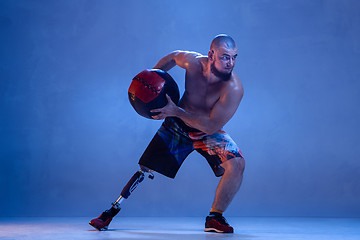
215,230
100,229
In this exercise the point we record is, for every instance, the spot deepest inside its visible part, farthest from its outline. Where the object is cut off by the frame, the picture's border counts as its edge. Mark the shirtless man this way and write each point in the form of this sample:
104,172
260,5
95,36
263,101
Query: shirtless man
212,95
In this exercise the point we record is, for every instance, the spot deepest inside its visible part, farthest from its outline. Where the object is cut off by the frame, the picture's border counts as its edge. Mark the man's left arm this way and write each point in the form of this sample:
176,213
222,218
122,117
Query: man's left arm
221,113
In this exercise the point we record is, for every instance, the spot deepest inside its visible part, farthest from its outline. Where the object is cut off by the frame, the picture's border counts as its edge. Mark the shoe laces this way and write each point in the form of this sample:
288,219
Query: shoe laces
220,219
223,221
105,215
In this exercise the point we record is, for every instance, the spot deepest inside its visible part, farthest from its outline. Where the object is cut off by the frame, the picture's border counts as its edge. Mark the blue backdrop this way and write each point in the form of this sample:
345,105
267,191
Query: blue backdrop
70,140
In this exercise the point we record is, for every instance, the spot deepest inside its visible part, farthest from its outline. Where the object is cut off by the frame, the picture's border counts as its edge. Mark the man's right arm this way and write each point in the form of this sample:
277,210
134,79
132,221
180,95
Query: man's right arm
183,59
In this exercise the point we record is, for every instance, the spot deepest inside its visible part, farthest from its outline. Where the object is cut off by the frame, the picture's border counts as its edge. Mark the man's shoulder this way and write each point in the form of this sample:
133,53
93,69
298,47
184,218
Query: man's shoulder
190,59
187,54
235,84
195,60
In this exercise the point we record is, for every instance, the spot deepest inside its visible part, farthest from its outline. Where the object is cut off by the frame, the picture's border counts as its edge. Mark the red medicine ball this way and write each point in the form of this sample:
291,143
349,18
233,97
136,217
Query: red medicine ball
148,89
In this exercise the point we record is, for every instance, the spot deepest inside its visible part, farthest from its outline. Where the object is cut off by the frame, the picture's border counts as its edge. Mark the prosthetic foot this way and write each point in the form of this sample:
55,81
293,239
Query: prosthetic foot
102,222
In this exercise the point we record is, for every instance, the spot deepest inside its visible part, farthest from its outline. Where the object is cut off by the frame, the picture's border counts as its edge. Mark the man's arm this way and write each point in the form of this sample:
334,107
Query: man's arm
183,59
221,113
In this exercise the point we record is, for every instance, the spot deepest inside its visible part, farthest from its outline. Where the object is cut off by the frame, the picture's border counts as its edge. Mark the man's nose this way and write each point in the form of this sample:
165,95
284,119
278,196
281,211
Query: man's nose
231,62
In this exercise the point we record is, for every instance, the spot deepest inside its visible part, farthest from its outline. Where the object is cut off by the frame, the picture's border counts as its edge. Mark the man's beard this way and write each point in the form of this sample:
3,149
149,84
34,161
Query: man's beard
221,75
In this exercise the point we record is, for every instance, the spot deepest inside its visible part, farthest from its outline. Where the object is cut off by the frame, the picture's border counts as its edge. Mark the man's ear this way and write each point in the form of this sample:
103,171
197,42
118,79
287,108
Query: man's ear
211,55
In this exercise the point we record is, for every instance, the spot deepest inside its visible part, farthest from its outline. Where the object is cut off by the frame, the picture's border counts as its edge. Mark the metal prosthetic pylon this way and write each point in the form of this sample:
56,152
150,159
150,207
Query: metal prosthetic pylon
102,222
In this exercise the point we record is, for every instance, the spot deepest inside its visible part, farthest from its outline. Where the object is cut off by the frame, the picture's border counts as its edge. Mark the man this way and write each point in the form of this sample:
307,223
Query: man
212,95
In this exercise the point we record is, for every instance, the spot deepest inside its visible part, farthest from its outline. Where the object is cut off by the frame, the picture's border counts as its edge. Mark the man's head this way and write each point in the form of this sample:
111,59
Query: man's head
222,56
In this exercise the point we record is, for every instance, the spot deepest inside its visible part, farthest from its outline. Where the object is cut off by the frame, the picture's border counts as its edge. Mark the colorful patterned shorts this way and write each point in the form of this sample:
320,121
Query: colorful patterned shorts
174,141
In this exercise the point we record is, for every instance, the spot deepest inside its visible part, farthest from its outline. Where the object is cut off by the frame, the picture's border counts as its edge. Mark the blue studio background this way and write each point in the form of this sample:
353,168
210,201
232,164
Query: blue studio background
70,140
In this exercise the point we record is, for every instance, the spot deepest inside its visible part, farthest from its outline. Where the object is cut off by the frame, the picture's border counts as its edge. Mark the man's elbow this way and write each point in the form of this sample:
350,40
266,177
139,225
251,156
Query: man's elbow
211,129
211,132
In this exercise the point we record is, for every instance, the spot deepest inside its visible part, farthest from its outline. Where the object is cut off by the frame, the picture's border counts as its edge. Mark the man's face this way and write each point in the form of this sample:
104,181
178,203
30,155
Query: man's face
224,59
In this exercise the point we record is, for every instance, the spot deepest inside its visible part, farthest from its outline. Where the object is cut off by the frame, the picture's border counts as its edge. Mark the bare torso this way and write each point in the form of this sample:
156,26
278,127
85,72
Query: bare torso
200,94
209,101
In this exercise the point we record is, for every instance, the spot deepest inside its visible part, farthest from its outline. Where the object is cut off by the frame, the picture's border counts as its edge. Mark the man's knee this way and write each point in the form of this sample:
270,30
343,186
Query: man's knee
235,165
239,164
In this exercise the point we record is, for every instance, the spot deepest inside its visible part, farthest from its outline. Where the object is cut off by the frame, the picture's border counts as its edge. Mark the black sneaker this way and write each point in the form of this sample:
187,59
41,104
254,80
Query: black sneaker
102,222
215,222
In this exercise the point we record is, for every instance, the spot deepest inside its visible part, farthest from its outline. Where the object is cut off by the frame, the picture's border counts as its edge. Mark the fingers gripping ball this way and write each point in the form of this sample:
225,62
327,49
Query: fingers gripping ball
148,91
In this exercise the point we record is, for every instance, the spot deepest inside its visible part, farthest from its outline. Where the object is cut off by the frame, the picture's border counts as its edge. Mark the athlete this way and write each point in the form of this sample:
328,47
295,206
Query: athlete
212,95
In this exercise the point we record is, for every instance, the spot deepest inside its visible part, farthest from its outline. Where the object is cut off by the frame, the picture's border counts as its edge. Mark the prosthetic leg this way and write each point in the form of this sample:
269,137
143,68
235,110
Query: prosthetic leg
103,221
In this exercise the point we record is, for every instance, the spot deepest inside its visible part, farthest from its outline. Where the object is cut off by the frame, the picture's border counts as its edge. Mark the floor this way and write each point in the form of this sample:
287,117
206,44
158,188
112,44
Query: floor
181,228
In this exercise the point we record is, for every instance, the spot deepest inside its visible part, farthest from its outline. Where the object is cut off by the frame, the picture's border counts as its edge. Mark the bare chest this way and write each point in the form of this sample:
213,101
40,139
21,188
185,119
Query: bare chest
200,95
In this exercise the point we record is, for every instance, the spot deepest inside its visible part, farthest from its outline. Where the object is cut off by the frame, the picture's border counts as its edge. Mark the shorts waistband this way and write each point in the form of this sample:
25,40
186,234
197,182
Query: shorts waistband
181,124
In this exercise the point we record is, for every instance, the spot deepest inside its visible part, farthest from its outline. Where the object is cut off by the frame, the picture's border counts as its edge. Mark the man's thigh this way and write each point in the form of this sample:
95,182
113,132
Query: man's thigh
166,152
217,149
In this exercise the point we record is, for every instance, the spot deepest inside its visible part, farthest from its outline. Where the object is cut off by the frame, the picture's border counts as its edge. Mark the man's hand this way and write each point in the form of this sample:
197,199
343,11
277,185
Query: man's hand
169,110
